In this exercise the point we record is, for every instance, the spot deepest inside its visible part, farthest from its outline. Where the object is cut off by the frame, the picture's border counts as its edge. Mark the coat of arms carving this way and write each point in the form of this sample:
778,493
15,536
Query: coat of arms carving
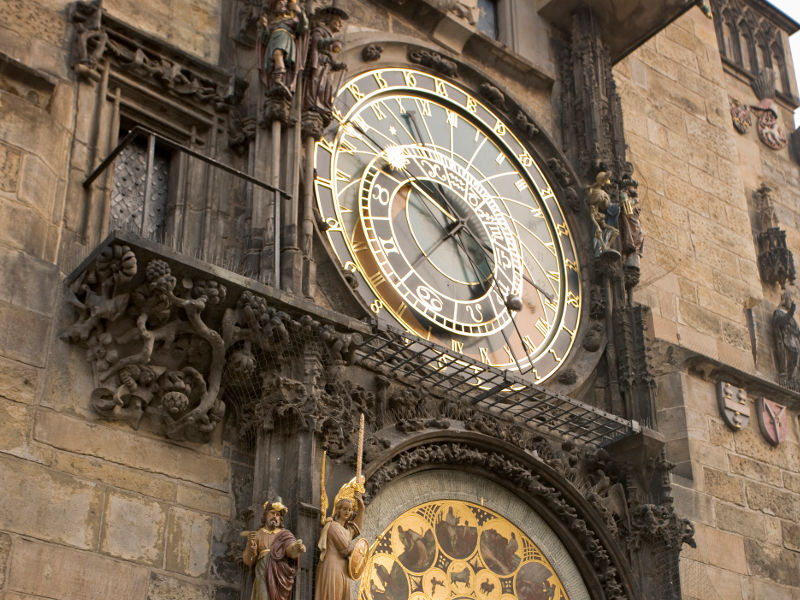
772,420
733,405
741,115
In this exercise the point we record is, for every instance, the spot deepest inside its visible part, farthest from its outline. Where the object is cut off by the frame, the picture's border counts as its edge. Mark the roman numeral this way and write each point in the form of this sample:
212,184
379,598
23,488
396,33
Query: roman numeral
542,326
452,118
381,81
520,184
457,346
376,109
530,347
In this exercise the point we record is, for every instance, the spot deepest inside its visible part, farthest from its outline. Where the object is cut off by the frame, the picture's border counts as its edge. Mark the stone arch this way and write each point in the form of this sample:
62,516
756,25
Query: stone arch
556,498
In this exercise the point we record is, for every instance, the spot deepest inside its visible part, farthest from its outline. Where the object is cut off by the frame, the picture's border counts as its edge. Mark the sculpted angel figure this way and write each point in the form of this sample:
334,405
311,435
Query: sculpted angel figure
274,552
337,542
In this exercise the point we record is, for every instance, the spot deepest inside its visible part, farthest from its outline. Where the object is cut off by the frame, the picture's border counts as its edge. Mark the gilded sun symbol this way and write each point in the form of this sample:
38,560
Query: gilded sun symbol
396,157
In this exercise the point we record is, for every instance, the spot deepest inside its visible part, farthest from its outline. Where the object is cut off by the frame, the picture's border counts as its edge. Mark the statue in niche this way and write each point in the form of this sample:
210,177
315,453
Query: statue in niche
274,552
321,81
284,44
630,231
787,339
605,214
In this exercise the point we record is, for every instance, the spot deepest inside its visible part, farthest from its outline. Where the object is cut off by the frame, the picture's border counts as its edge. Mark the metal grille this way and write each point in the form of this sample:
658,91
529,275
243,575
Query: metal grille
129,198
420,362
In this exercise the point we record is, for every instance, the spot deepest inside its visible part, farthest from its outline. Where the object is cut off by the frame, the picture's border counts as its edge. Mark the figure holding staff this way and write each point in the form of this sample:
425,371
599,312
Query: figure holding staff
343,554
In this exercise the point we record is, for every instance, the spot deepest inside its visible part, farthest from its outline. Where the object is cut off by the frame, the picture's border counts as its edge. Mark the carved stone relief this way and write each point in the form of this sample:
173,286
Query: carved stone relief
99,38
775,260
733,405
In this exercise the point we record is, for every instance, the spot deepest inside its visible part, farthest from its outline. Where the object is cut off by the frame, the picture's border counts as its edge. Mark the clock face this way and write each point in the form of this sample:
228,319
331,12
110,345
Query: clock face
446,221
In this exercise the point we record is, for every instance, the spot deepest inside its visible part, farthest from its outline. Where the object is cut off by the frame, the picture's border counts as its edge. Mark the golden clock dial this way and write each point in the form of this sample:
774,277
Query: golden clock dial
447,222
452,549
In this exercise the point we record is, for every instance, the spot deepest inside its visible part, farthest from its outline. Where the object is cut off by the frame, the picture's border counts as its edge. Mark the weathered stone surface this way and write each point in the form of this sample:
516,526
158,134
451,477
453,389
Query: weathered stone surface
30,129
188,542
169,588
205,500
791,481
693,505
24,335
750,442
755,470
18,381
132,480
773,562
37,185
133,529
48,505
14,425
772,501
791,535
10,159
724,486
758,589
34,281
60,573
719,548
738,520
5,550
719,434
118,445
704,582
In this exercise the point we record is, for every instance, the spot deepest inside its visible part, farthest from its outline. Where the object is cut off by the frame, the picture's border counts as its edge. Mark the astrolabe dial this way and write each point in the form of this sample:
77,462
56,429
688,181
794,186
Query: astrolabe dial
447,223
453,550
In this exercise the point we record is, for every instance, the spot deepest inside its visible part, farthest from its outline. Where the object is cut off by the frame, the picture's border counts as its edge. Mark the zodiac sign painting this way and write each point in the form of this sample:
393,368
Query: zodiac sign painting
456,550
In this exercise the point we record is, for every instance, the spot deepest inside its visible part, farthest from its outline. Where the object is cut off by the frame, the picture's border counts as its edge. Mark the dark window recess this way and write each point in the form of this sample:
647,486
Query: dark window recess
141,188
487,18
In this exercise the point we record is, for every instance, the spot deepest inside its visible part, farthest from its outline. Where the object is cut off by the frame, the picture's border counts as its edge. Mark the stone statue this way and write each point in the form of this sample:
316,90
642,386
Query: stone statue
91,39
604,214
283,48
336,543
787,338
274,552
321,81
630,231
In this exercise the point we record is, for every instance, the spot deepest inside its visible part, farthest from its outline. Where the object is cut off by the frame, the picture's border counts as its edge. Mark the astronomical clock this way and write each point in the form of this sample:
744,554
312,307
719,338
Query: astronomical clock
445,220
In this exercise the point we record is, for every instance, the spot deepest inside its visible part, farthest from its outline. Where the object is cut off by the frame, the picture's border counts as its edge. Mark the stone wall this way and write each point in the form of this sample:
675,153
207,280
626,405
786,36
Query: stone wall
699,270
89,510
699,275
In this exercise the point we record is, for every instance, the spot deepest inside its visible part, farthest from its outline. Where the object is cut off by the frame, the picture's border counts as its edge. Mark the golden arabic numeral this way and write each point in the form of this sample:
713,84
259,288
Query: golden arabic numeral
351,266
381,194
499,128
571,264
526,159
457,346
562,229
573,300
353,89
410,79
381,81
376,306
440,88
472,105
542,326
